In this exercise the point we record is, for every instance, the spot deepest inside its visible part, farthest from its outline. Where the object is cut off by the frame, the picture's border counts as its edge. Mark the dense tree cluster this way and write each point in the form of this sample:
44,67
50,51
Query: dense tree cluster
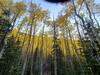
31,43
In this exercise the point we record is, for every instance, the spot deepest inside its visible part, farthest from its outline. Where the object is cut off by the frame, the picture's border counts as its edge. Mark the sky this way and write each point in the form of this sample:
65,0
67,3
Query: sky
53,8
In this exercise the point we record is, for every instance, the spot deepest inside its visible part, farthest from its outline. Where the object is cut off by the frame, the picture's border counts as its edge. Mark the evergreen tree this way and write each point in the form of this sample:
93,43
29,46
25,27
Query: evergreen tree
4,29
9,61
92,61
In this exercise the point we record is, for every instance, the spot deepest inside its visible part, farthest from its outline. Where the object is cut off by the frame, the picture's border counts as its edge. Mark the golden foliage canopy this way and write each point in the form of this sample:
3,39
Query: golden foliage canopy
20,8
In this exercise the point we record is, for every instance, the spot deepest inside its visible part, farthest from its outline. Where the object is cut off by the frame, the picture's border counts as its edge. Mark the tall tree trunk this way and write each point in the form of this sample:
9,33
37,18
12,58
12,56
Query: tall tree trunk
68,54
32,54
25,65
55,42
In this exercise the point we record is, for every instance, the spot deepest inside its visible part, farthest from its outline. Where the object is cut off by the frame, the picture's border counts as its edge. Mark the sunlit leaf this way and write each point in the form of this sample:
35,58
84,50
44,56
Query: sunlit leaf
0,12
20,8
79,2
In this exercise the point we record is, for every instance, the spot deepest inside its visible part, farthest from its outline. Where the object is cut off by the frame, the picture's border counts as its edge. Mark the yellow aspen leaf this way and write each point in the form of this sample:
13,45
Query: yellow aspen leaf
69,11
29,18
71,8
79,2
61,21
20,7
0,12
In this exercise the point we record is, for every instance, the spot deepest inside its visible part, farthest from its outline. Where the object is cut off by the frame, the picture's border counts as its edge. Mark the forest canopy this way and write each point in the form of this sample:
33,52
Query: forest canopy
32,43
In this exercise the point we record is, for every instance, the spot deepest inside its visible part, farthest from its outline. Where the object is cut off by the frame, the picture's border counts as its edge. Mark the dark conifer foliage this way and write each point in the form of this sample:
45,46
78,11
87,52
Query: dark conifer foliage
9,61
4,28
